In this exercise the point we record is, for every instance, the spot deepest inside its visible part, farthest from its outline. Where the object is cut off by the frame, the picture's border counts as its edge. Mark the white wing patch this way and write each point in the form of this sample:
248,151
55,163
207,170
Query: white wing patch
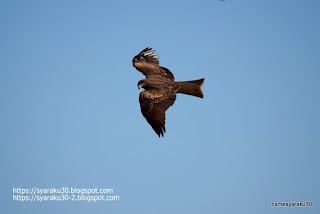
151,94
151,54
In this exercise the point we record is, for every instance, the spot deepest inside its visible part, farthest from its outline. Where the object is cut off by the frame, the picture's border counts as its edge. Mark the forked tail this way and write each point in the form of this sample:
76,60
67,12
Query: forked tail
191,87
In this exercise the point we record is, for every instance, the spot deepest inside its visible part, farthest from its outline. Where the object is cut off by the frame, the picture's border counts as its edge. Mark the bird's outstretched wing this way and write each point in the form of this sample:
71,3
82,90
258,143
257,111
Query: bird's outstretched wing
147,62
153,107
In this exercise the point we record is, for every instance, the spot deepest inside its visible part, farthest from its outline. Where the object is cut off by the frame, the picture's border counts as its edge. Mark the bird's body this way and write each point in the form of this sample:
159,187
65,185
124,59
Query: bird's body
160,89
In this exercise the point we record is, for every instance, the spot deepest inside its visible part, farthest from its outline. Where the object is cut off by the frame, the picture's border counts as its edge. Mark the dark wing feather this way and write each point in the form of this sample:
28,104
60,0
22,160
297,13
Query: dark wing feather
147,55
167,72
147,62
154,107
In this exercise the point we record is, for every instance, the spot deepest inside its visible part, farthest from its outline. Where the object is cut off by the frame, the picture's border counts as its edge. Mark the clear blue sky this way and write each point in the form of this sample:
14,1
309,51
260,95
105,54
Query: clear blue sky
70,114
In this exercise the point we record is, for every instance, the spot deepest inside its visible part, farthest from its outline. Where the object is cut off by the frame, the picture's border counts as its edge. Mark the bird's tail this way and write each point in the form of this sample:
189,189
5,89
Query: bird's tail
191,87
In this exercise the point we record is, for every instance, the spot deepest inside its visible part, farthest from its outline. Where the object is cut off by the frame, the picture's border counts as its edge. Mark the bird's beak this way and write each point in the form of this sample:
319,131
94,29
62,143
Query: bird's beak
139,86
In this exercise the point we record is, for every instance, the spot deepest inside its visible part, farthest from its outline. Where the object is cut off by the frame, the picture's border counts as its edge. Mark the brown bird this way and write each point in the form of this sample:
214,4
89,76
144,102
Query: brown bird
160,89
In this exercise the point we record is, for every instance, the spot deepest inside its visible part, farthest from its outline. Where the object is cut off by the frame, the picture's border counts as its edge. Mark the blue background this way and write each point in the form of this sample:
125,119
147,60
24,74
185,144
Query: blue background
70,114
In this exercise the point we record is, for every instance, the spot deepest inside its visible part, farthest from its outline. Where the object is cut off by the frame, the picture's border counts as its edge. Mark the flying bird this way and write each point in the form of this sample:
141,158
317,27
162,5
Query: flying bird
160,89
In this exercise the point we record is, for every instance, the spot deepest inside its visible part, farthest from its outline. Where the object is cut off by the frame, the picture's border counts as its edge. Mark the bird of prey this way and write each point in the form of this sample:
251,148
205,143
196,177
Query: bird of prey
160,89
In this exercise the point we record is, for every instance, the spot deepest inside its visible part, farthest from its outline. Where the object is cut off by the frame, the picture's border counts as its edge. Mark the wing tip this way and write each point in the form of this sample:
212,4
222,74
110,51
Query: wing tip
148,52
161,131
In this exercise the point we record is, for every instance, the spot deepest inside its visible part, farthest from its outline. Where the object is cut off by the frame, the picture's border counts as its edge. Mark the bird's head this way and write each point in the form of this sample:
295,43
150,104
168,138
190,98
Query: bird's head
142,84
